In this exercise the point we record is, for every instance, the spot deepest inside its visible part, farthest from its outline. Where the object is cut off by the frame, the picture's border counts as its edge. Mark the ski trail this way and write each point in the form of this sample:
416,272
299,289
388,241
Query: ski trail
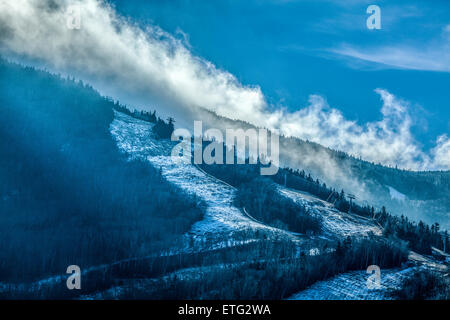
335,223
134,137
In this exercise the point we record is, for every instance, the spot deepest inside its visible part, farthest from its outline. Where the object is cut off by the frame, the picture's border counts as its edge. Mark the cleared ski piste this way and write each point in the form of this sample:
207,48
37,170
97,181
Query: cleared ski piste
335,223
135,137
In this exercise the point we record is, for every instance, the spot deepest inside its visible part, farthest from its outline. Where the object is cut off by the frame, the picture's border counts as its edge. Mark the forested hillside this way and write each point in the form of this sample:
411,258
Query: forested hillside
67,195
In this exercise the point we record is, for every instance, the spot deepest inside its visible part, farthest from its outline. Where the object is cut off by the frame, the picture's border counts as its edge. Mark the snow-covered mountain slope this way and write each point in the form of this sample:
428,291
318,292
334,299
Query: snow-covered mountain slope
222,219
335,223
353,286
135,137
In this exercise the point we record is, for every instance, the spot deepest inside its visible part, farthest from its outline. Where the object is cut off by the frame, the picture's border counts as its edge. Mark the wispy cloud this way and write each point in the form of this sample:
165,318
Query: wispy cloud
433,55
139,66
434,58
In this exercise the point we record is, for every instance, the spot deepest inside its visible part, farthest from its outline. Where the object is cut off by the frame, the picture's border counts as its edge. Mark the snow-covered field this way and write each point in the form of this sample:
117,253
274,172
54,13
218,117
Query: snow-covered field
335,223
353,286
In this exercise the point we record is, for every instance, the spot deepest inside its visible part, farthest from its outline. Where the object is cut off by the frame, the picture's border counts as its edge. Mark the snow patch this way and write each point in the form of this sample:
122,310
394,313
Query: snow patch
396,195
353,286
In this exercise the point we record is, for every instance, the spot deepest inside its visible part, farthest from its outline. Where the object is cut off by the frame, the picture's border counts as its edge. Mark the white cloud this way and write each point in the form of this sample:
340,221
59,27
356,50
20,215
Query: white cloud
141,66
434,58
120,57
388,141
441,153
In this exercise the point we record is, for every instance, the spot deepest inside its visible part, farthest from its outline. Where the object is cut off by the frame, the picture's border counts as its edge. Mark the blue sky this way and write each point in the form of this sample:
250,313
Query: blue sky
292,49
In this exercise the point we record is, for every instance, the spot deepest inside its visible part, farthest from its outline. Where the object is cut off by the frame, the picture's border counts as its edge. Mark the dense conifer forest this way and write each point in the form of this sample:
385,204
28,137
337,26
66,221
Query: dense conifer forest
68,196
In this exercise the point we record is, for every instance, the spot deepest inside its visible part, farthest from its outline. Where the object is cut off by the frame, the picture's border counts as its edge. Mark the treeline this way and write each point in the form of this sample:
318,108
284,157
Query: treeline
143,115
67,195
420,236
424,284
262,200
161,129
